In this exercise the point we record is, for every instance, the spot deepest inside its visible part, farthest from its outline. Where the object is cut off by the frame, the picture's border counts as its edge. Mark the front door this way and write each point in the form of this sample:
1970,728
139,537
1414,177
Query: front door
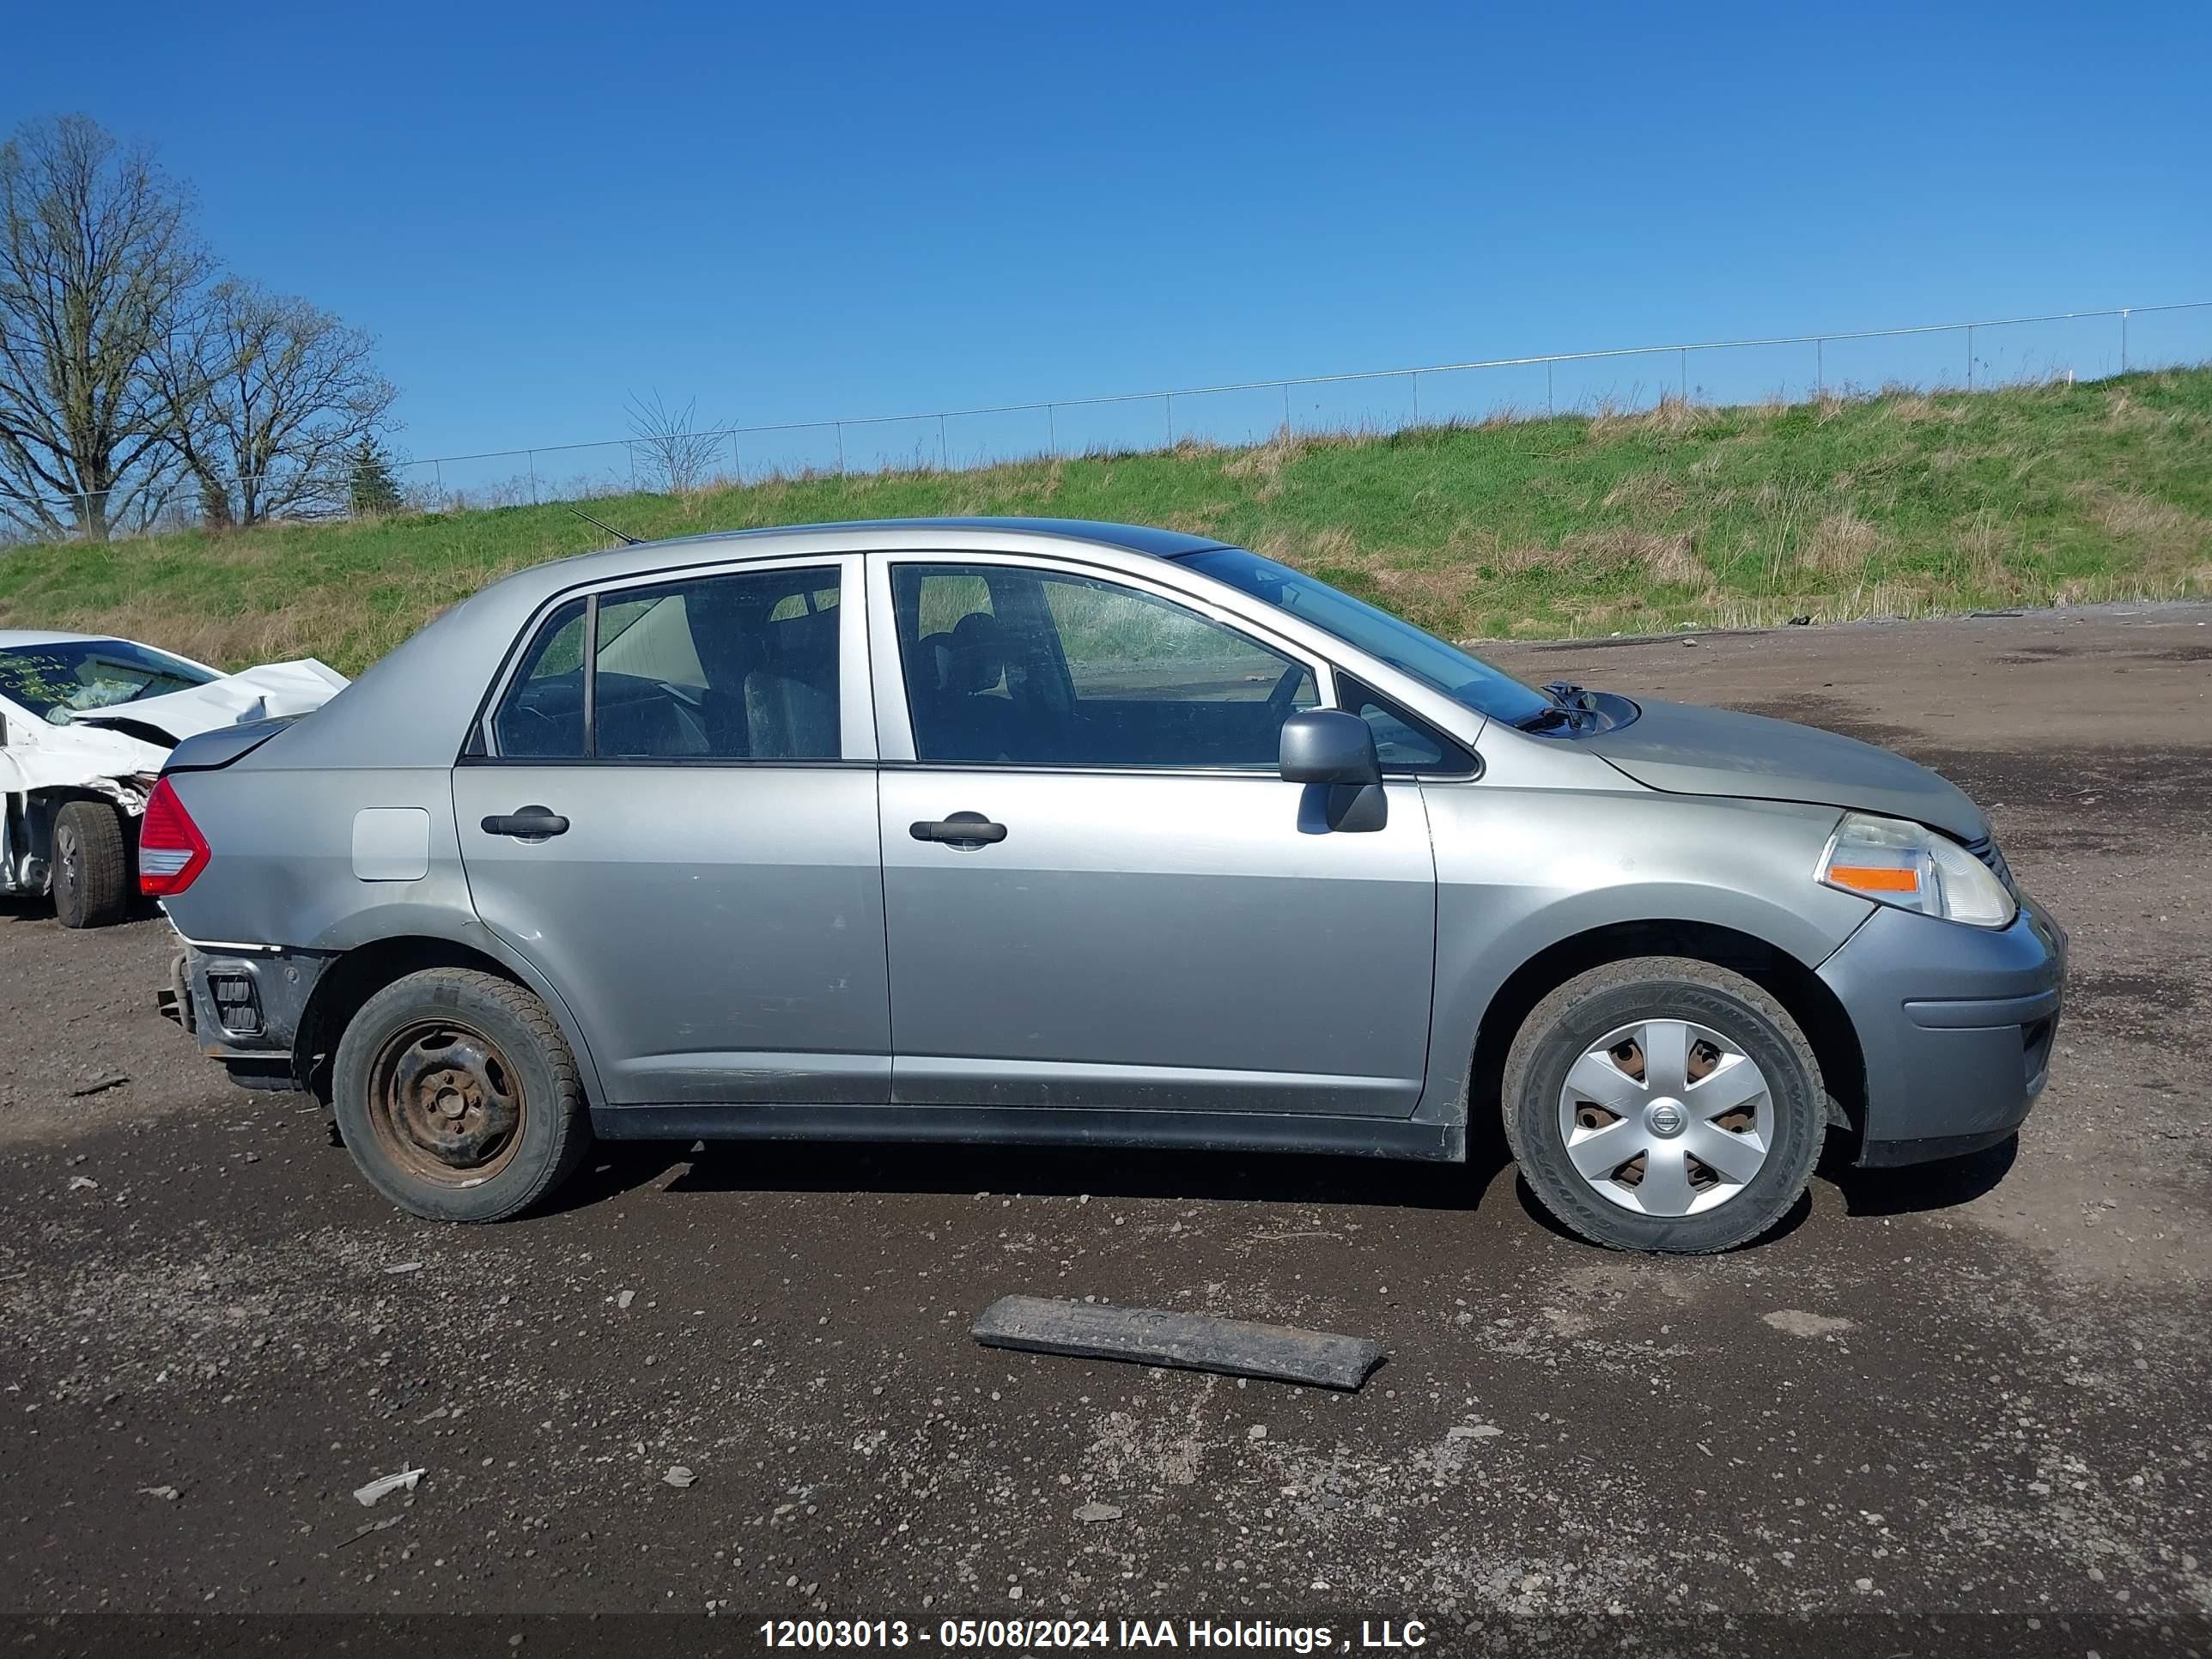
1099,892
677,828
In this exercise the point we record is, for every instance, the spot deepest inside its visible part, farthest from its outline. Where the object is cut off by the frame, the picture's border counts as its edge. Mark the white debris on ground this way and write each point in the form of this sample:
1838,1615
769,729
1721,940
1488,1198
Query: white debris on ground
385,1485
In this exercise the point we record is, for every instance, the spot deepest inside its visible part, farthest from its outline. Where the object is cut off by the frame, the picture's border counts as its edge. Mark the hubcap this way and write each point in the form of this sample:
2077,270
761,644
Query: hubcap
446,1102
1665,1117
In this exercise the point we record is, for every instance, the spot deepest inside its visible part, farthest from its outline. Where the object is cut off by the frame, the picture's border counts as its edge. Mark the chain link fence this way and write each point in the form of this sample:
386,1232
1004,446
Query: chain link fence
2083,345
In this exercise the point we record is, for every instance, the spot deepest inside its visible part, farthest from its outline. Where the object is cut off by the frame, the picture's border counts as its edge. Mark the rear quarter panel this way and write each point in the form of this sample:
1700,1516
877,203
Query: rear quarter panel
282,869
282,872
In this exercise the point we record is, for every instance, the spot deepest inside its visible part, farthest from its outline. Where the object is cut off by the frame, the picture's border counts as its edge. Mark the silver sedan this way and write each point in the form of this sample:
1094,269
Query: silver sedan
1043,831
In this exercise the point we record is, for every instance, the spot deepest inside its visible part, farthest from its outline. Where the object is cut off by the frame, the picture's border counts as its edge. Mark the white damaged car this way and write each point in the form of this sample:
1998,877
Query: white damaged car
85,724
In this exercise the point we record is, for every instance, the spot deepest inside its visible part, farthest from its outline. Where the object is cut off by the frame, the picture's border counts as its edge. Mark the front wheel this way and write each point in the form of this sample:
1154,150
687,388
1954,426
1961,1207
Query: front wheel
92,866
458,1097
1664,1103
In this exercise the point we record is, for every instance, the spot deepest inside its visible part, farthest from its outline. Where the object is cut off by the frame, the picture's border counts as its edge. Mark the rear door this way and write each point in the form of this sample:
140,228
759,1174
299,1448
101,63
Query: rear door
675,822
1099,891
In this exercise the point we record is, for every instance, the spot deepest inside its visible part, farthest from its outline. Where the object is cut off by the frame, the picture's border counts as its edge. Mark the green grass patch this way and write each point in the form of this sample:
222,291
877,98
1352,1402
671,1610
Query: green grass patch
1903,504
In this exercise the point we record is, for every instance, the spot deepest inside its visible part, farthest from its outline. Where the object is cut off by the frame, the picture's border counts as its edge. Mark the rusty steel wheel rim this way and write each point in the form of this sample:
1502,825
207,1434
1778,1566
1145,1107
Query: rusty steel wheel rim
446,1104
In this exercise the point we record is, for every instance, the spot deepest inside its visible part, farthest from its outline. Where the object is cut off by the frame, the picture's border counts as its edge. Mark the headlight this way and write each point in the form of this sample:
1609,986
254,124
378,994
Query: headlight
1895,862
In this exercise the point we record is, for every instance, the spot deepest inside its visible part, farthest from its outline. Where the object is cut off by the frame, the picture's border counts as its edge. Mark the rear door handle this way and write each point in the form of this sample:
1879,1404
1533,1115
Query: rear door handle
531,823
966,830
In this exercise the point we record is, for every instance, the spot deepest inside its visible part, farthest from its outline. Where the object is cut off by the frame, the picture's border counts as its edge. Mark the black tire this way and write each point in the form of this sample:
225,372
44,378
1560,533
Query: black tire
92,866
1584,1011
395,1056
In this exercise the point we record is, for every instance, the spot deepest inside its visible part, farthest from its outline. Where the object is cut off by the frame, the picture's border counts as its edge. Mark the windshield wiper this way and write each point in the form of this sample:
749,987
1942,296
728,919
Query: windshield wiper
1545,719
1570,703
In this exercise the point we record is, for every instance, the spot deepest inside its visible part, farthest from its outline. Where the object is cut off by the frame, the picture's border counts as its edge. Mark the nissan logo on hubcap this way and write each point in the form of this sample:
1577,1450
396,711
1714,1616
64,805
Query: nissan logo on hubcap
1667,1117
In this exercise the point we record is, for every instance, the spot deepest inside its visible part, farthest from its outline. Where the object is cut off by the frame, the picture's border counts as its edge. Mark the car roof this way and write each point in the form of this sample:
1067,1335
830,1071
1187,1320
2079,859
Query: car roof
12,638
774,541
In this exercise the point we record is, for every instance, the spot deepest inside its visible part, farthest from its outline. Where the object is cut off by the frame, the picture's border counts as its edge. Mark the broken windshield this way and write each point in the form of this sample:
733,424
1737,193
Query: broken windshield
65,677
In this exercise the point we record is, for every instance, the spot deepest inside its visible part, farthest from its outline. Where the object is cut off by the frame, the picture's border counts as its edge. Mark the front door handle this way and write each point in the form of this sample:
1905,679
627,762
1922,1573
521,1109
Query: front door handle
963,829
531,823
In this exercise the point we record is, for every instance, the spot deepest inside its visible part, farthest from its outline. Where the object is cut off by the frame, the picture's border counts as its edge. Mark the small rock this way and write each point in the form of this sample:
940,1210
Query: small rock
1473,1431
1257,1431
679,1476
404,1268
625,1298
1796,1323
1096,1511
83,1184
100,1085
167,1494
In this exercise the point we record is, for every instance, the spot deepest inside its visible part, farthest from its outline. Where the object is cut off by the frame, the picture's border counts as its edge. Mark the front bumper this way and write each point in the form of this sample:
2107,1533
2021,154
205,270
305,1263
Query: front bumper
1955,1025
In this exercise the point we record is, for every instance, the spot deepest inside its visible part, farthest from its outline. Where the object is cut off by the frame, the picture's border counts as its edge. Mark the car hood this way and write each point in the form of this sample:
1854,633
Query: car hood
256,694
1688,750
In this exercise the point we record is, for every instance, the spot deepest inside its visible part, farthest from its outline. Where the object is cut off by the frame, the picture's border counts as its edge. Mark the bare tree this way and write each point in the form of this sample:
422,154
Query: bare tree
97,255
269,401
682,456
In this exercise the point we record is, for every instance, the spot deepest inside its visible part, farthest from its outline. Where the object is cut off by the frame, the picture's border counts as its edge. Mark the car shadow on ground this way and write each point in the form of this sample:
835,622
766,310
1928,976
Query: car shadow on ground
616,1168
1923,1187
23,906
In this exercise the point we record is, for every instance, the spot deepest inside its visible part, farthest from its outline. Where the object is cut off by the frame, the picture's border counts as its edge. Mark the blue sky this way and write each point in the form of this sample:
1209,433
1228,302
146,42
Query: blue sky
801,212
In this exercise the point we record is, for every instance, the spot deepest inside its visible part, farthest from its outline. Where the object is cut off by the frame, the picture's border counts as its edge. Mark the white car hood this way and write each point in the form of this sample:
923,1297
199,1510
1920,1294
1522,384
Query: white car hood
263,693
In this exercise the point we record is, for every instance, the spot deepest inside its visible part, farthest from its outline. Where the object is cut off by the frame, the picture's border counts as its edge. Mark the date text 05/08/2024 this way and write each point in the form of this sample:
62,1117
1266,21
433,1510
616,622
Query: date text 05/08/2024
983,1635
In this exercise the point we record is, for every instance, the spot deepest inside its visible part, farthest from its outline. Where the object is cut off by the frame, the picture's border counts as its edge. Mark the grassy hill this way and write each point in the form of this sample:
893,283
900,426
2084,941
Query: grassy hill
1896,505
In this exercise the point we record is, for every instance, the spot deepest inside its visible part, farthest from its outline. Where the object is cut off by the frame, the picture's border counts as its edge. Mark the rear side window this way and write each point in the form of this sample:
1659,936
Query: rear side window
542,715
741,666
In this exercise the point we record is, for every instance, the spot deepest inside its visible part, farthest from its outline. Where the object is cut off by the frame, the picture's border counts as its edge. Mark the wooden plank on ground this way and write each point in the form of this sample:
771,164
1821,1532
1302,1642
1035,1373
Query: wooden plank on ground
1148,1336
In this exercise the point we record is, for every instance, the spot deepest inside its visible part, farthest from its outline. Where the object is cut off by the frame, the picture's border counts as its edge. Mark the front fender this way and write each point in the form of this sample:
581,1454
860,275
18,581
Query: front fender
1520,870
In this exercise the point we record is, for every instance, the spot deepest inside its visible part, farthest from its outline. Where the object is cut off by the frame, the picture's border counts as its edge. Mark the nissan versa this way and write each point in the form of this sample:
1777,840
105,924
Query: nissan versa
1009,830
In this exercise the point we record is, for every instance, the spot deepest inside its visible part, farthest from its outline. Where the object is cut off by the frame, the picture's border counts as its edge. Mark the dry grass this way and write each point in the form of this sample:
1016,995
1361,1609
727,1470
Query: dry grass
1671,417
1652,495
1913,408
1840,542
1334,545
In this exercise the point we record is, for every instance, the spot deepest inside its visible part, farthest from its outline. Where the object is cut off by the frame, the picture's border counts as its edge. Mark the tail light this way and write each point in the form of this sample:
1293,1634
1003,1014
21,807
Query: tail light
171,851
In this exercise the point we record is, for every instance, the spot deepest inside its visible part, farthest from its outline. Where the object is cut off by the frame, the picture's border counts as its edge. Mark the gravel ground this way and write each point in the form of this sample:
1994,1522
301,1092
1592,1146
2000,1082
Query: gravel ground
1960,1409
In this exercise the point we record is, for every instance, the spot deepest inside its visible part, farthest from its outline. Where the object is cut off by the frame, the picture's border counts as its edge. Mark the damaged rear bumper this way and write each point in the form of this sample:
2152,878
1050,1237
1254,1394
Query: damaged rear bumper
244,1007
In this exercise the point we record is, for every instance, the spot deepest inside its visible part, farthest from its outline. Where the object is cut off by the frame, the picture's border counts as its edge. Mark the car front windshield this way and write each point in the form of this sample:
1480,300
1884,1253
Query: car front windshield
64,677
1443,667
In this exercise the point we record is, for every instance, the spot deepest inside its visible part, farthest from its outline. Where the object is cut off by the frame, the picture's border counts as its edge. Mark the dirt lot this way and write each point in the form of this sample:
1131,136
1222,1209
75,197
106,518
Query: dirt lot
1956,1409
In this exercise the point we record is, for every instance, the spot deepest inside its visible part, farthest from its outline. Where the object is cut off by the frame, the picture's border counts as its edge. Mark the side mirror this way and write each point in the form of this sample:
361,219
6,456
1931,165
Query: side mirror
1327,745
1332,754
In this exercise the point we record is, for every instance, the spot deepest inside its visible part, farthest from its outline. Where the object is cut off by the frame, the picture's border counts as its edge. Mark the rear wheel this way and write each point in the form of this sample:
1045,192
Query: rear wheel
457,1097
92,865
1664,1103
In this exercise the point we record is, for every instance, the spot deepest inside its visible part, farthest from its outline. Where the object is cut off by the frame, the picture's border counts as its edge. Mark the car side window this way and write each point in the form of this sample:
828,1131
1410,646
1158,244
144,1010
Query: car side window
737,667
542,716
1037,667
1403,742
